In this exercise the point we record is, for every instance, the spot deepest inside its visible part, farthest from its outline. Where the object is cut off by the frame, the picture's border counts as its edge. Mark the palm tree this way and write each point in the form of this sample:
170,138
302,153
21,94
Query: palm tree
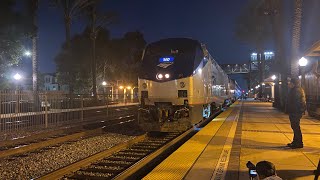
33,8
296,29
97,21
71,9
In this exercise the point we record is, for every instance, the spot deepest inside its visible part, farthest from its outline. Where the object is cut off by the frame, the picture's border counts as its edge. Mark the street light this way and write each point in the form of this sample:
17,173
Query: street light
17,77
302,63
27,53
273,77
104,83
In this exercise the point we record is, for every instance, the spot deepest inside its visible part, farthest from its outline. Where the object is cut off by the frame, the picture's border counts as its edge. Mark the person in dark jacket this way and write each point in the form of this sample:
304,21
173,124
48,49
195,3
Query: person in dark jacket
296,106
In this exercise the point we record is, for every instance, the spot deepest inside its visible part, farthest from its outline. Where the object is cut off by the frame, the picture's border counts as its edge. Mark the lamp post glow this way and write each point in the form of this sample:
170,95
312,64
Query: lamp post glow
104,83
17,77
273,77
303,62
27,53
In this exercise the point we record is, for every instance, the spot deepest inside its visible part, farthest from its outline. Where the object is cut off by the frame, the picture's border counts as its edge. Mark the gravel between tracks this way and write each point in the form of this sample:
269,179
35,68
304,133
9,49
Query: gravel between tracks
41,163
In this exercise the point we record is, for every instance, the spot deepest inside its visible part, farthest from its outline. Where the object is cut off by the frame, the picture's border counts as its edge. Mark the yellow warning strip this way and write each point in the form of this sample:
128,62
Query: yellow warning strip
178,163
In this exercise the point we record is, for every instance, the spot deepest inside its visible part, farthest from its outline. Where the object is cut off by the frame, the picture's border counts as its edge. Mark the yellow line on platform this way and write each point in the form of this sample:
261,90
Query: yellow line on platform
177,165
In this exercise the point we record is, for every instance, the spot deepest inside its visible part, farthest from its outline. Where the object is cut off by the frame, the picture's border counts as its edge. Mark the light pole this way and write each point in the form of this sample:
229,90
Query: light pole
104,83
273,91
124,89
131,92
302,63
18,78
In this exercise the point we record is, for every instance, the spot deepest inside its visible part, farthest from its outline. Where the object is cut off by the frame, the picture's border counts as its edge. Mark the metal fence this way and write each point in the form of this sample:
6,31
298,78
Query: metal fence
20,110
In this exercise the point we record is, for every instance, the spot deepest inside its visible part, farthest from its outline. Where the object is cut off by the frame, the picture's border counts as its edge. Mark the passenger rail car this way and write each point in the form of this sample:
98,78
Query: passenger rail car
180,84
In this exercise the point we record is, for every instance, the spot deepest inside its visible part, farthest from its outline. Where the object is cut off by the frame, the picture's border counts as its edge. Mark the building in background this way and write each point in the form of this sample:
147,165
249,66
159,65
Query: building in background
51,84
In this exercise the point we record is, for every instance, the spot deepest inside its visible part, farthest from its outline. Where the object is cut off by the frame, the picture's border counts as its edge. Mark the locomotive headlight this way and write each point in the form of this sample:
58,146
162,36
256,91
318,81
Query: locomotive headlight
167,76
159,76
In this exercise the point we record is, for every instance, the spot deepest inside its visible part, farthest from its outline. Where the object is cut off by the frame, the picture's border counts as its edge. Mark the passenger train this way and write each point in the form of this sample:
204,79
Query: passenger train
180,84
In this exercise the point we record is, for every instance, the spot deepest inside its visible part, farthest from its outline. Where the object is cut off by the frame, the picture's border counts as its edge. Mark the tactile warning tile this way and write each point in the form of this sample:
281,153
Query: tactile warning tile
178,163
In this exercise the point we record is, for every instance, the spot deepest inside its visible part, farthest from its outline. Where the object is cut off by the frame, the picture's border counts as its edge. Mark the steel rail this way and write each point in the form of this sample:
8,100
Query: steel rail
85,162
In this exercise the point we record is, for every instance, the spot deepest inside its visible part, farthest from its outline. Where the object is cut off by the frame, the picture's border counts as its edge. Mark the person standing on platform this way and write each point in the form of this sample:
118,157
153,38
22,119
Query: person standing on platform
296,106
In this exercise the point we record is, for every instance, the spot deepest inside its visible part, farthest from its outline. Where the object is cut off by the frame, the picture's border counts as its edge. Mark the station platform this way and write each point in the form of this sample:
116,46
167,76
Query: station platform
247,131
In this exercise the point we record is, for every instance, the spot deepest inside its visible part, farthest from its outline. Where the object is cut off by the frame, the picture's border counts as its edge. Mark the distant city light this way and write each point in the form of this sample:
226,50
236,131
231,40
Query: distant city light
273,77
120,87
17,76
104,83
268,53
254,54
263,84
128,87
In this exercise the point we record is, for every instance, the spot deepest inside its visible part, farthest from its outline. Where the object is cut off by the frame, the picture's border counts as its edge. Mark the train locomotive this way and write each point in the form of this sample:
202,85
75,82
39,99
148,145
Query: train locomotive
180,84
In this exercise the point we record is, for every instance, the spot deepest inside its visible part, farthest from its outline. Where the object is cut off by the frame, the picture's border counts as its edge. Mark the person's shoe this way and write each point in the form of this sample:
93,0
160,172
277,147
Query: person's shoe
296,146
289,144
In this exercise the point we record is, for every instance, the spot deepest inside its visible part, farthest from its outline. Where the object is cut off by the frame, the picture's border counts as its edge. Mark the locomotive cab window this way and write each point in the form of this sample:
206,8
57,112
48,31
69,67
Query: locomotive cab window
182,93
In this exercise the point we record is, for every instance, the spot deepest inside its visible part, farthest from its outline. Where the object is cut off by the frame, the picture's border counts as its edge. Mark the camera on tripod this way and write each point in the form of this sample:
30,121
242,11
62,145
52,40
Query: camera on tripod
252,170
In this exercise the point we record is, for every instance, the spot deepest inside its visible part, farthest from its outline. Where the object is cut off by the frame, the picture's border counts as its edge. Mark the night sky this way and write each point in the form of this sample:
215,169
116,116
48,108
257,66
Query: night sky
209,21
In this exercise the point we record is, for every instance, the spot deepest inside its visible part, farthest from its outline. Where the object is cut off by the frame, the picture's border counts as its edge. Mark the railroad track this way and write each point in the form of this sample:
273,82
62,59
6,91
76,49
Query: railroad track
131,160
56,139
126,160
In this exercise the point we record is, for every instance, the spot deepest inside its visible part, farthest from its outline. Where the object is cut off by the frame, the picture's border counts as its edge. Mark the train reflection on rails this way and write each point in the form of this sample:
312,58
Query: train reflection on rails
180,84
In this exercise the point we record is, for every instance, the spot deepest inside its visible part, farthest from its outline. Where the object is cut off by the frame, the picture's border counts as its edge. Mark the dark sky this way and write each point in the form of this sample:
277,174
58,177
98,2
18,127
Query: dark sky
209,21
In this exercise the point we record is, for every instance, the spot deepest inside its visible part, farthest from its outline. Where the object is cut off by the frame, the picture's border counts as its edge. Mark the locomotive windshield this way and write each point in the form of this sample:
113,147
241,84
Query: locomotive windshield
174,56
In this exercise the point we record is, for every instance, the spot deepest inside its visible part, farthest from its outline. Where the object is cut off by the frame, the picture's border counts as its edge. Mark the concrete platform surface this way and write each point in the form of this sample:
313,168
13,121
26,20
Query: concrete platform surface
248,131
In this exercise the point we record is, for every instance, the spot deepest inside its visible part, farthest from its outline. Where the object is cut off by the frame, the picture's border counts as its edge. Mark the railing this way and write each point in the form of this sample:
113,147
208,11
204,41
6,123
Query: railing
21,110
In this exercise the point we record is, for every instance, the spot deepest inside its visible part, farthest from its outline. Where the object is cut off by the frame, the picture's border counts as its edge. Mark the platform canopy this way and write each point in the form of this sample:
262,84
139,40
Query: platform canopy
314,50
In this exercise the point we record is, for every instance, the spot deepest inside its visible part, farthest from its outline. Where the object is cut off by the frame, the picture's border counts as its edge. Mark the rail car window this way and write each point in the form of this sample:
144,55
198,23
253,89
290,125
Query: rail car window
182,93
